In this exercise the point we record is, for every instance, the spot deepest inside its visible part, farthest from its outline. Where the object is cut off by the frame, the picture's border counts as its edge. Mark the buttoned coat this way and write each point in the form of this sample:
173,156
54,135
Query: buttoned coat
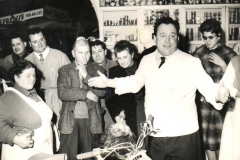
69,92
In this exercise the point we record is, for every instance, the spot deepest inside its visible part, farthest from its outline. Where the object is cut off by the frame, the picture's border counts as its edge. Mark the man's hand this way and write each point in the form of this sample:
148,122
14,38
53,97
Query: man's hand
82,70
92,96
100,82
23,140
222,95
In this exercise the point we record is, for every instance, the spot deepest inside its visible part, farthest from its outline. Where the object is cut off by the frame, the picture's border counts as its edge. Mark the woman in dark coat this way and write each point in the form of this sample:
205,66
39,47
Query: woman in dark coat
132,104
215,57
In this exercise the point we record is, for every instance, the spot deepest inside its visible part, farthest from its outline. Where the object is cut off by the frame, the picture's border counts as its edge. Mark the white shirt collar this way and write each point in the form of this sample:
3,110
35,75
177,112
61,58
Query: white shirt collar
159,55
44,53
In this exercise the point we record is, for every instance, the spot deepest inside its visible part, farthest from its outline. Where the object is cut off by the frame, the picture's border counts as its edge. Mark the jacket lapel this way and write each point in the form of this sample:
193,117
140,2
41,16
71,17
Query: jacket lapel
74,77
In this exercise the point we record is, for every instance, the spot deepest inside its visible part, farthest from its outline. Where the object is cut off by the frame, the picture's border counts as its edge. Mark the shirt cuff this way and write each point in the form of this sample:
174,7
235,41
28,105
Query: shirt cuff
119,86
11,137
211,97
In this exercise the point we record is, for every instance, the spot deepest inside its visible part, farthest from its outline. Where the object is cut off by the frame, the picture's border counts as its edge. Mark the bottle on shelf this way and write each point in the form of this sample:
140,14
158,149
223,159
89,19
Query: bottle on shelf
199,34
186,17
112,3
187,34
236,15
231,20
239,33
191,34
102,3
205,16
121,2
219,17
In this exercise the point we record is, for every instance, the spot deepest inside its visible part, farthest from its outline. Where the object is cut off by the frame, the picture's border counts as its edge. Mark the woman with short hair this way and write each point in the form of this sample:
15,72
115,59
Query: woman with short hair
25,120
215,57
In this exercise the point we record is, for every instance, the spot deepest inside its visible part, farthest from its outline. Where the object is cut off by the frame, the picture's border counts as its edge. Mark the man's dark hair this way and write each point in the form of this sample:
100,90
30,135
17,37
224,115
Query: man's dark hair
166,20
35,30
98,43
14,35
211,25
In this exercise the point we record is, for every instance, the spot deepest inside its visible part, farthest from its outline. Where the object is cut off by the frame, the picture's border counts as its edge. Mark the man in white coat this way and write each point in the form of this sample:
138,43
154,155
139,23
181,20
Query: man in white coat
171,78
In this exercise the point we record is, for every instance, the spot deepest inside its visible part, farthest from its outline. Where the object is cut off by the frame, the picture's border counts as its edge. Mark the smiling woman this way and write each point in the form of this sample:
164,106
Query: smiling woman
25,120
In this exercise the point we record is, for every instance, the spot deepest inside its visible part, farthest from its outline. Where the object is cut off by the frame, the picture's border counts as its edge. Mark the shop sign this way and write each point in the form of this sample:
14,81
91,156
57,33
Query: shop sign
55,14
22,16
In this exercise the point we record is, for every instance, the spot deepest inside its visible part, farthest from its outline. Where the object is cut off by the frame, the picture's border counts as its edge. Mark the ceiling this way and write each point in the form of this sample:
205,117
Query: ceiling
80,12
82,19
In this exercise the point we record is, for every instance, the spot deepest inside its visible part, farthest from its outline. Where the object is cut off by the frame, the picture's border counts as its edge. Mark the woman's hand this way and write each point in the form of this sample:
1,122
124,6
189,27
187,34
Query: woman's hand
214,58
23,140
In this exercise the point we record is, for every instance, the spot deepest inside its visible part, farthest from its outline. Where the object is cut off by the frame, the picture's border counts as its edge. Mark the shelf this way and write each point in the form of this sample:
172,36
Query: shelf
171,6
120,26
145,16
233,41
191,24
196,42
234,24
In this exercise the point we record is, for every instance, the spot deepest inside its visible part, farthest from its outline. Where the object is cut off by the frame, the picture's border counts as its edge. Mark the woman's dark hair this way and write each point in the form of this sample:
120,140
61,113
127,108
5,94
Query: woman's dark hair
211,25
165,20
126,45
19,67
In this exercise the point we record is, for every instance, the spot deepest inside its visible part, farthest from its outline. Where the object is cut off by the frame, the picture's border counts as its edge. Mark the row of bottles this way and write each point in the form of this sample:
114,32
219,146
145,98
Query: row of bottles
150,16
234,15
121,22
117,3
234,33
191,35
199,18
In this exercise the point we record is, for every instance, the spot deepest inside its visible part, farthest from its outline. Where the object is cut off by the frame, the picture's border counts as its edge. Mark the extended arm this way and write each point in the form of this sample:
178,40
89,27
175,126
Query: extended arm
211,91
228,79
129,84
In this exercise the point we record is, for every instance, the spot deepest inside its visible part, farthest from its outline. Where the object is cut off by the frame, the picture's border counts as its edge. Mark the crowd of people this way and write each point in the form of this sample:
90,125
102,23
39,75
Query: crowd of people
193,99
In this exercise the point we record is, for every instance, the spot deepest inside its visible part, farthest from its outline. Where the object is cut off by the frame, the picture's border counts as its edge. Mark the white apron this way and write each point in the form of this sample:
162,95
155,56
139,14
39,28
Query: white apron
43,139
230,141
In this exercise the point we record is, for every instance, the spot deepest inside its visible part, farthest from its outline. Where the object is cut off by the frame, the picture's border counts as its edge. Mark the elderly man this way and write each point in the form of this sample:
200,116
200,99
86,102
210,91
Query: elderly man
80,122
18,44
47,60
99,52
171,78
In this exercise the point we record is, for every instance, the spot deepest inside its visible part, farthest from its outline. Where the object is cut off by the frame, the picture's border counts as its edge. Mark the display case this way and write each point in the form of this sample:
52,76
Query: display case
119,25
135,22
194,16
233,27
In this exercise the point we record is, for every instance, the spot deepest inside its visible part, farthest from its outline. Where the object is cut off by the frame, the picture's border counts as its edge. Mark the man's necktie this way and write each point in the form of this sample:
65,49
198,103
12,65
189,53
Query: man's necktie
162,61
41,57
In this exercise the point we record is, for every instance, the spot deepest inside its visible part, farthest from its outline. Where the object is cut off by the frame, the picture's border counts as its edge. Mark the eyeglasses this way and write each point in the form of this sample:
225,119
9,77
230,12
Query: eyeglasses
210,37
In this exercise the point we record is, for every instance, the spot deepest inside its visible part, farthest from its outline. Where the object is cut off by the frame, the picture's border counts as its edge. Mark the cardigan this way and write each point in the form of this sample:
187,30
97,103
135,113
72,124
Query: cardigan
54,60
14,111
